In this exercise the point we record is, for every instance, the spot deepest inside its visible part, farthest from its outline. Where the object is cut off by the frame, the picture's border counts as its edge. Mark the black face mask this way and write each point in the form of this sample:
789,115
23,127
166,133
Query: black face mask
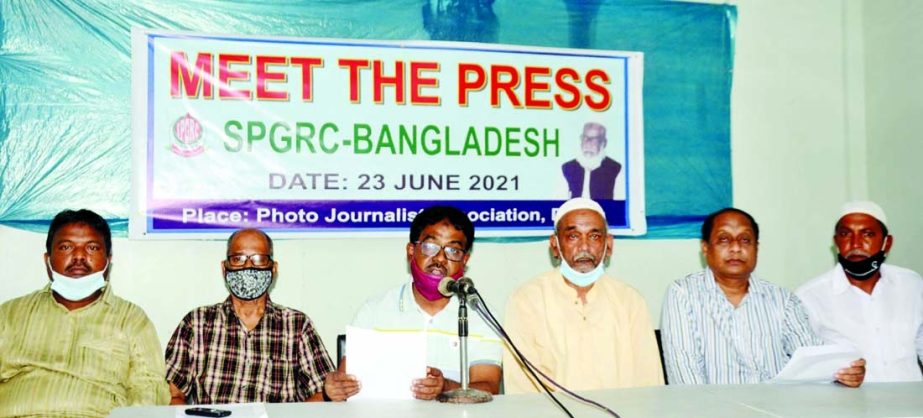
862,269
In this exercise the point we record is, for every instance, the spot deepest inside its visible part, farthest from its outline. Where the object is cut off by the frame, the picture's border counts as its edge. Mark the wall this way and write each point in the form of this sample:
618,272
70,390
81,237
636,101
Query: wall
894,83
798,86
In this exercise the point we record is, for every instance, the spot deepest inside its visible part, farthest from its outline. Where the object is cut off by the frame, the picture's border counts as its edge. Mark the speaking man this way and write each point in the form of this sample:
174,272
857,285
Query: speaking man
441,238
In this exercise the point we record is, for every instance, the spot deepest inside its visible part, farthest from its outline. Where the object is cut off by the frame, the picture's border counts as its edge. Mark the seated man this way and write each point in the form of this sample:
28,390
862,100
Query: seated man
440,244
74,348
246,349
725,326
581,327
863,302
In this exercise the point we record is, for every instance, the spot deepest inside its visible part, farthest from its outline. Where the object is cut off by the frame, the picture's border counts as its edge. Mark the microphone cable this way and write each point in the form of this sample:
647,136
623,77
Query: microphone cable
484,311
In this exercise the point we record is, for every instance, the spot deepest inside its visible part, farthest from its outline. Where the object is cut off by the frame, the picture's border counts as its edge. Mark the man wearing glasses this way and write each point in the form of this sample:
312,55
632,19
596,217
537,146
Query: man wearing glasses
440,245
247,348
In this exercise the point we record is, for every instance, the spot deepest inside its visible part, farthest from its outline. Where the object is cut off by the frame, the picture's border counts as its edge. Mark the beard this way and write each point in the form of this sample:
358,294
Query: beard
590,162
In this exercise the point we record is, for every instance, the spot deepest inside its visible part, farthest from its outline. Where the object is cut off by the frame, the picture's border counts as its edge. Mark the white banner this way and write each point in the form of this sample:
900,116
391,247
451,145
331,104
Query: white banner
354,137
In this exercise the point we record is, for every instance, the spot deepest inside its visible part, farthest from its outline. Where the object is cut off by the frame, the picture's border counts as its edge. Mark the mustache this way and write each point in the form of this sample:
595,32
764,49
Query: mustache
437,265
857,251
585,255
78,263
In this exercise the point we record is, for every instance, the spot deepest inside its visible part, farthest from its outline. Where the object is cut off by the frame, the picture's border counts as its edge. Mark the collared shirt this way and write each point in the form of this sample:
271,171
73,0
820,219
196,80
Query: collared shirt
397,311
707,340
606,343
213,358
79,363
885,326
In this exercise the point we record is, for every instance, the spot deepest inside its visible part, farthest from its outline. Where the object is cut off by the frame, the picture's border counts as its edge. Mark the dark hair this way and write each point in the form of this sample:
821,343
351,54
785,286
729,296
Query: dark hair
265,235
82,216
709,223
436,214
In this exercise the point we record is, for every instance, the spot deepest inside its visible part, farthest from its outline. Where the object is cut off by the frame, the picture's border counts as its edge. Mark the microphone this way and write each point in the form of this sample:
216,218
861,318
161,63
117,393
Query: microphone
449,287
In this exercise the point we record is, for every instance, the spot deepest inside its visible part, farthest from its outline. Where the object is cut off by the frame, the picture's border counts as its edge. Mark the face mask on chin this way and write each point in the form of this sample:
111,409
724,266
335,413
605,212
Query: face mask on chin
77,288
863,269
426,283
249,283
577,278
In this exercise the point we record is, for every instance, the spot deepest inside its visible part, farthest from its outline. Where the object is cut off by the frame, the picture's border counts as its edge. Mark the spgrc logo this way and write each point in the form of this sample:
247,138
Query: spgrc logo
188,133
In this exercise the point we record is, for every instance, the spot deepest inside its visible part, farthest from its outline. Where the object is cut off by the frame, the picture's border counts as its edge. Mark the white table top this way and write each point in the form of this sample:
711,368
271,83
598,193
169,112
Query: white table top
713,401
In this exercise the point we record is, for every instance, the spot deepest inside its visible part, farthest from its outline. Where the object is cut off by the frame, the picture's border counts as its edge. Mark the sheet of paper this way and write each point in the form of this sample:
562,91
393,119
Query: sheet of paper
238,410
385,362
816,364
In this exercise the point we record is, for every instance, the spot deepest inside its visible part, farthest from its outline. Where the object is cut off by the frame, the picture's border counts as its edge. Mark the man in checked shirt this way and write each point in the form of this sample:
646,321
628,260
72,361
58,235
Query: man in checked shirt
247,348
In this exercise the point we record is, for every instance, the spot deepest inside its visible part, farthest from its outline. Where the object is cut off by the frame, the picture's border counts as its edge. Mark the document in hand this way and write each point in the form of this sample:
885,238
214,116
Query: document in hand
816,364
386,363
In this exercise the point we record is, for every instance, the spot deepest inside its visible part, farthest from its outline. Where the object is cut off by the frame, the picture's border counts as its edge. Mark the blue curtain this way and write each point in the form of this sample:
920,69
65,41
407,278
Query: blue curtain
65,84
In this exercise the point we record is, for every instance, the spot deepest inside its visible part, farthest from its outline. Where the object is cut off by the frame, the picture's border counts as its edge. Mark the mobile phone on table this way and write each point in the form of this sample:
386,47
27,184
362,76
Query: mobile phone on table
208,412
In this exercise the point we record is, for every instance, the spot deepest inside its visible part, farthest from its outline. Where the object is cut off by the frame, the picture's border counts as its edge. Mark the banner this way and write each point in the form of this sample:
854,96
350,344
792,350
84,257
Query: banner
327,137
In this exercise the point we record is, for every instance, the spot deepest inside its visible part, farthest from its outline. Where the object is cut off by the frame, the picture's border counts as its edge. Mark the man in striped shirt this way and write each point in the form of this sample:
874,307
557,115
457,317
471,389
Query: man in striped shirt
247,348
725,326
74,348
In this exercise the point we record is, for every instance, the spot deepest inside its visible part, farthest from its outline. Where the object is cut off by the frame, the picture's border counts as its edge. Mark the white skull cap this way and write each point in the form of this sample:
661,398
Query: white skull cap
576,204
865,207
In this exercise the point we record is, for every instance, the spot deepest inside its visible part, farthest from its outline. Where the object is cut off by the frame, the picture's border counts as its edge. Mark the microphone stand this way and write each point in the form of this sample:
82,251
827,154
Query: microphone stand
464,394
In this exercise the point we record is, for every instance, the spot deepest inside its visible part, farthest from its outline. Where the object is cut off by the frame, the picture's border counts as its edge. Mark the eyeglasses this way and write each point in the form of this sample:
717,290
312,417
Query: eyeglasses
727,241
258,260
430,249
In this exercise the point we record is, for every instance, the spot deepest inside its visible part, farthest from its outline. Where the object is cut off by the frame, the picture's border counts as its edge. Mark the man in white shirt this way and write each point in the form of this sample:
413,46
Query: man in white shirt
441,238
876,307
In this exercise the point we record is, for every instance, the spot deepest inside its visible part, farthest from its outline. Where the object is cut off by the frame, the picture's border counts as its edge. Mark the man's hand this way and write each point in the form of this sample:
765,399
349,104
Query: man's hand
338,385
853,375
176,396
430,386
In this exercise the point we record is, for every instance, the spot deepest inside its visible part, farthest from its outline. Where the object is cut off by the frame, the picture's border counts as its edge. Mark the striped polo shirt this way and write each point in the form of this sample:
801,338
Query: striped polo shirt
708,340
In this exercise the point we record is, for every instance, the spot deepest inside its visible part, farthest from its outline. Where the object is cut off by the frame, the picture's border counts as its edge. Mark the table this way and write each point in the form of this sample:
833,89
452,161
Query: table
712,401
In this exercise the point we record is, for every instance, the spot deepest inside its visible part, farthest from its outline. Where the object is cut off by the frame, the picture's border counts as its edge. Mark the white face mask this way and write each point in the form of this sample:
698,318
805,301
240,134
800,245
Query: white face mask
577,278
74,289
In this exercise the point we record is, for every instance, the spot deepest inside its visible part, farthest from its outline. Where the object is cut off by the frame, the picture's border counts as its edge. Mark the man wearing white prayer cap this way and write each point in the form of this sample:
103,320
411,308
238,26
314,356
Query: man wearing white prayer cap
578,325
864,302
